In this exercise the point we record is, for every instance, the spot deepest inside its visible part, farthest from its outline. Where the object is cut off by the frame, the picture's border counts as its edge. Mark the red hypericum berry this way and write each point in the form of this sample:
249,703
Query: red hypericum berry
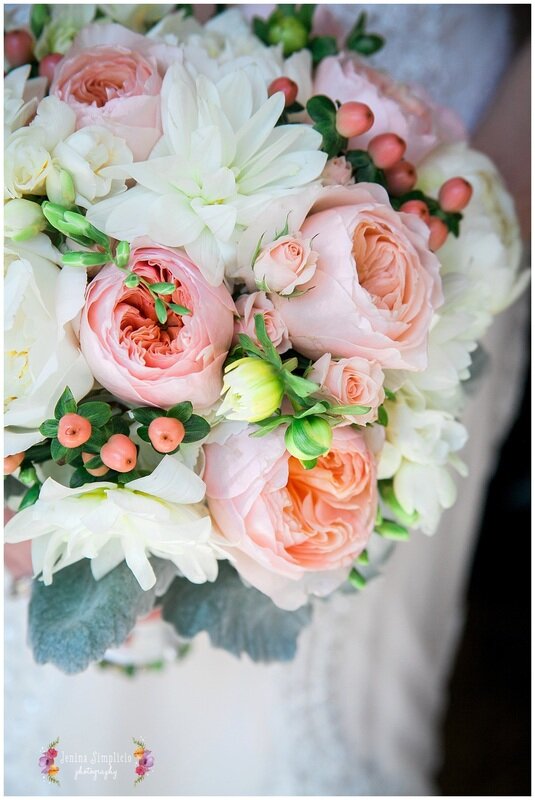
98,472
417,207
119,453
401,178
73,430
386,150
354,119
438,233
11,463
18,48
287,86
166,433
455,194
48,64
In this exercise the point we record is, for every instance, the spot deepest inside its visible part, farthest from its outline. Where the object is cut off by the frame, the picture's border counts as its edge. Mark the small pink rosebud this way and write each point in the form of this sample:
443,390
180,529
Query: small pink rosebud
438,233
166,433
455,194
354,119
417,207
98,472
386,150
73,430
288,87
13,462
140,770
18,48
119,453
401,178
48,64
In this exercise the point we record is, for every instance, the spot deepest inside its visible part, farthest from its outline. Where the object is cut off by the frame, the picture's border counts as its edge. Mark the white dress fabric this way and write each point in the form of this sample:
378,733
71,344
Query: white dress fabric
357,711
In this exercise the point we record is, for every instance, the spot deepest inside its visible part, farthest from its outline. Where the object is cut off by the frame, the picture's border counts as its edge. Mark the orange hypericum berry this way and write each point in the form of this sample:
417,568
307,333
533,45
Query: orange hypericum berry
386,150
354,119
166,433
401,178
288,87
438,233
11,463
98,472
417,207
119,453
73,430
455,194
48,64
18,48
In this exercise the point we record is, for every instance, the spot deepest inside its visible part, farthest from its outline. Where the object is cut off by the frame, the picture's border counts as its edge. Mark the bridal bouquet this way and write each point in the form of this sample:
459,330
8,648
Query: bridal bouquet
246,275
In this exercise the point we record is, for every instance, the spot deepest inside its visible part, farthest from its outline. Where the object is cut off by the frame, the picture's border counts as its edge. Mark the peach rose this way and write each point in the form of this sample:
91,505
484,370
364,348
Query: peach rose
349,382
376,272
397,108
138,359
247,306
291,532
285,264
110,77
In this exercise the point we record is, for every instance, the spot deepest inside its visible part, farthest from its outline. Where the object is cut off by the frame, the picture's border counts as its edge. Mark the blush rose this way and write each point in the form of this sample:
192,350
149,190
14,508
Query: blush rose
248,306
285,264
351,381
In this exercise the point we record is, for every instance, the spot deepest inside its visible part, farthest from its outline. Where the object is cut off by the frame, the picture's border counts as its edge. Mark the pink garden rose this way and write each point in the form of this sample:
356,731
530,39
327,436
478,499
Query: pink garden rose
285,264
248,306
375,272
291,532
397,108
110,77
138,359
351,382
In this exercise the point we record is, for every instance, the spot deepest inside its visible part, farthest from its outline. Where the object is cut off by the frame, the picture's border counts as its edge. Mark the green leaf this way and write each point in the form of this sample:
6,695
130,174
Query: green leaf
163,288
262,336
268,425
57,451
30,497
178,309
309,464
97,439
181,411
306,14
321,47
132,280
196,428
49,428
356,579
39,16
80,477
237,618
72,454
363,559
143,433
78,258
96,412
322,110
94,463
76,619
391,530
261,29
382,416
389,394
249,346
365,45
161,311
38,453
353,410
302,387
318,408
65,405
145,414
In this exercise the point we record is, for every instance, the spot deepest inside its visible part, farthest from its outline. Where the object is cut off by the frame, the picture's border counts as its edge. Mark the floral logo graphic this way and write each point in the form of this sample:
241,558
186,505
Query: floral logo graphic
145,760
47,763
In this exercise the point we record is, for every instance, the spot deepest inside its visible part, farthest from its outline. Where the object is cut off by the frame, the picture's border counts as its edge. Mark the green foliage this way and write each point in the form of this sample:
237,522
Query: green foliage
362,42
322,111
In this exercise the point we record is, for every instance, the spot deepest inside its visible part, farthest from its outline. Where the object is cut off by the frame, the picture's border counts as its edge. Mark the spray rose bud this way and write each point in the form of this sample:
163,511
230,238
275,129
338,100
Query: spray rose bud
308,438
254,390
23,219
285,264
288,31
60,188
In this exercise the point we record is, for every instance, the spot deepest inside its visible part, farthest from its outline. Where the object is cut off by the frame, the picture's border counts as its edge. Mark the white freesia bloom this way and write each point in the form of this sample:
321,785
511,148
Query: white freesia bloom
420,445
221,160
135,15
159,515
226,43
85,155
21,97
41,350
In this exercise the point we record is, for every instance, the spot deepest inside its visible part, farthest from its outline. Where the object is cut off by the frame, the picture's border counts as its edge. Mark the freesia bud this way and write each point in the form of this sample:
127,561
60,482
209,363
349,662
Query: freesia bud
308,438
23,219
60,187
254,390
81,258
122,255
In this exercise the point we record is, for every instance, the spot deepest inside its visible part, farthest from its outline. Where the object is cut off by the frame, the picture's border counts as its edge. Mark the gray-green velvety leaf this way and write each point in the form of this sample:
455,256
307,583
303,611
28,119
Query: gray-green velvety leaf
76,619
237,618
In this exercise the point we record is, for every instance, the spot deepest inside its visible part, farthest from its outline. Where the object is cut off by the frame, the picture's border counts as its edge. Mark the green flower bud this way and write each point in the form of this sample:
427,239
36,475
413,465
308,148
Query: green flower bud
74,225
23,219
288,31
122,254
254,390
81,258
132,280
308,438
60,187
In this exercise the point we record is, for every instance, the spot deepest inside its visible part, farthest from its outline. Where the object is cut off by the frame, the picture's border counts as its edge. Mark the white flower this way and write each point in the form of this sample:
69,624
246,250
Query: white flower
158,515
85,155
21,97
221,160
28,156
41,351
420,444
135,15
66,20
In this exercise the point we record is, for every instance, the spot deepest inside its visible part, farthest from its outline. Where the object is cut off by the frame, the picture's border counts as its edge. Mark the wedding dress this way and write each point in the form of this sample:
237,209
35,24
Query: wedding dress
357,712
